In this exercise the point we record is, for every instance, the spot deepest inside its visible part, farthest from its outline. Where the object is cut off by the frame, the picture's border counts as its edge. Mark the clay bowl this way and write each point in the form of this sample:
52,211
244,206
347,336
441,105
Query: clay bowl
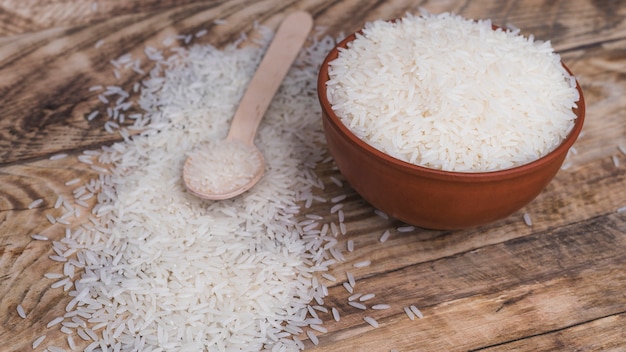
433,198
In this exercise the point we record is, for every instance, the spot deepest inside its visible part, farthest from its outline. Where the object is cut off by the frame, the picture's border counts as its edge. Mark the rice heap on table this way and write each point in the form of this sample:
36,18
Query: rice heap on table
449,93
163,270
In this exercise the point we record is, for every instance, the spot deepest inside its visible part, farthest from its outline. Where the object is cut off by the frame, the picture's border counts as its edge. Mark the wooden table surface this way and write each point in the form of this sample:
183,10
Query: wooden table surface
557,285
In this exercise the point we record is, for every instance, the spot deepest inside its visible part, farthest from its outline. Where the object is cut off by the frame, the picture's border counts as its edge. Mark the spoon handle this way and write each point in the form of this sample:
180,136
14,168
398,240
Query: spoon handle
280,54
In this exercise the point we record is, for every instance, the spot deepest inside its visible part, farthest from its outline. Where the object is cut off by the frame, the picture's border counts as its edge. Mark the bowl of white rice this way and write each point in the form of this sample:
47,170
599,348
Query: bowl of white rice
445,122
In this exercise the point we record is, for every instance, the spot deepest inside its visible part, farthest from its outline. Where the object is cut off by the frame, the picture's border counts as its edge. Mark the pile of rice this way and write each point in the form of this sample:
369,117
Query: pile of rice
158,269
449,93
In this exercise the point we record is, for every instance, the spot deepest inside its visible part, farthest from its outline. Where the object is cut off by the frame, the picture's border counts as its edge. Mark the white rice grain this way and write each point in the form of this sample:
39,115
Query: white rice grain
53,275
528,220
416,311
21,312
58,202
351,279
367,297
54,322
72,181
319,328
51,219
354,297
336,315
71,343
409,313
371,321
336,208
381,306
313,338
384,236
60,283
35,203
92,115
350,245
336,181
38,341
338,199
329,277
362,264
83,335
358,305
341,216
381,214
58,156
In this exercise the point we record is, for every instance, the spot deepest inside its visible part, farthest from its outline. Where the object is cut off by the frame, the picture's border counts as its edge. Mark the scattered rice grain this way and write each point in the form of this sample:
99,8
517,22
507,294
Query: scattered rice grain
416,311
351,279
54,322
335,314
381,306
527,219
58,156
72,181
358,305
384,236
21,312
371,321
35,203
362,264
350,245
367,297
312,337
407,228
38,341
381,214
336,181
354,297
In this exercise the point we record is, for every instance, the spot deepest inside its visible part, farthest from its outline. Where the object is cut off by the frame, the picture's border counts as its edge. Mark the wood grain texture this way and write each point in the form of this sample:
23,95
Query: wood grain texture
559,284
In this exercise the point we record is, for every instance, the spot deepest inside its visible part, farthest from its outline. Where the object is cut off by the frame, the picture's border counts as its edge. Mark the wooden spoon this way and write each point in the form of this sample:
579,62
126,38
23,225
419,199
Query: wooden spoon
227,168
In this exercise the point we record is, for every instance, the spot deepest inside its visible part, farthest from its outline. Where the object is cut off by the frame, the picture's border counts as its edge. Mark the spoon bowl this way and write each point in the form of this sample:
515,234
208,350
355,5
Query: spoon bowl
241,167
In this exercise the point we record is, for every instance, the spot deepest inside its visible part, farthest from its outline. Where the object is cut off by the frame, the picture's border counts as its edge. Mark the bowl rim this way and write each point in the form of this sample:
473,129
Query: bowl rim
485,176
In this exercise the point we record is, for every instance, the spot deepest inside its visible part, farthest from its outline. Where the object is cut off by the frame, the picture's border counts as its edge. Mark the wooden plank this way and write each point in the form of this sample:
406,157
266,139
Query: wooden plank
504,286
19,17
603,334
543,282
59,65
582,192
547,19
25,260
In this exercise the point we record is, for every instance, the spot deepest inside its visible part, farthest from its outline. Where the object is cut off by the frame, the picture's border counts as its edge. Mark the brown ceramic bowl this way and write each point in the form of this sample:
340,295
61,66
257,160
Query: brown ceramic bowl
433,198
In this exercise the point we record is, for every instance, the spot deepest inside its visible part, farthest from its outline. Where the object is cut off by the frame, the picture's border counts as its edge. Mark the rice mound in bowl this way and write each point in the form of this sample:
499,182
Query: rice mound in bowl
452,94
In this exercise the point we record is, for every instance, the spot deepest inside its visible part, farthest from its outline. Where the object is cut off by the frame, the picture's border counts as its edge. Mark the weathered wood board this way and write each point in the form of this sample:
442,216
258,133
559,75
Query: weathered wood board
559,284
